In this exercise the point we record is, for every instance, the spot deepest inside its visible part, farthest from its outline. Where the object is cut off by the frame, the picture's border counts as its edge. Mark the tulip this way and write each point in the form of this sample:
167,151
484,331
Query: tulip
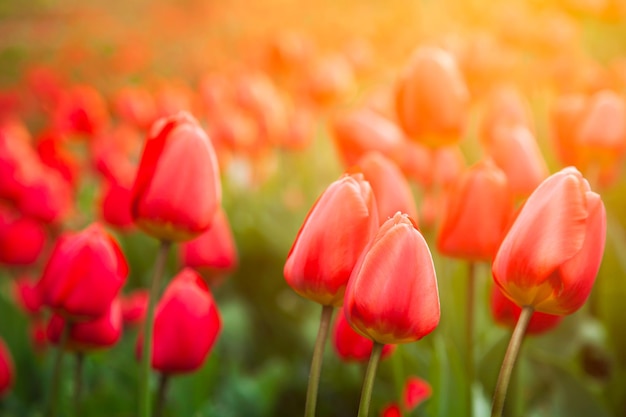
415,392
22,238
177,189
391,188
351,346
432,99
116,198
481,200
102,332
81,110
506,313
84,273
6,369
392,295
213,253
549,259
186,325
134,307
27,295
505,106
551,255
339,225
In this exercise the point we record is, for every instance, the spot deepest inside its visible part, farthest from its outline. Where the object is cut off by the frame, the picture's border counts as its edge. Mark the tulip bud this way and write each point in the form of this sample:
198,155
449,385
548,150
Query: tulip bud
177,189
478,212
186,325
392,295
85,272
550,257
213,254
22,238
337,228
101,332
432,98
134,307
350,345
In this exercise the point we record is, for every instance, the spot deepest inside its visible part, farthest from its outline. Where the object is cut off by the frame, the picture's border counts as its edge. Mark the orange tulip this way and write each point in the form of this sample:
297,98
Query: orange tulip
432,99
339,225
177,189
479,209
551,255
391,188
392,295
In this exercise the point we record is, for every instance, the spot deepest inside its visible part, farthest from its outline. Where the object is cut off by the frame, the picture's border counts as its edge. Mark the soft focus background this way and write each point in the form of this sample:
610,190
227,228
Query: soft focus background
308,62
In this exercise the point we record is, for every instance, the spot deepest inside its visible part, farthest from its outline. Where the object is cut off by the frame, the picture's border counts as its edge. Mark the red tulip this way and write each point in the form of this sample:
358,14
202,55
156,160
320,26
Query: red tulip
350,345
337,228
134,307
81,110
515,150
6,369
116,198
551,254
213,253
360,131
506,313
84,274
27,295
391,188
432,98
416,391
22,239
101,332
135,105
478,212
392,295
186,325
177,189
391,410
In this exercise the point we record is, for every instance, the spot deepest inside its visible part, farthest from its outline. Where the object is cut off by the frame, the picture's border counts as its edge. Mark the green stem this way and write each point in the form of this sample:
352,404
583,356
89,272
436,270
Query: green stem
509,360
146,354
470,312
160,404
56,371
368,383
316,362
78,382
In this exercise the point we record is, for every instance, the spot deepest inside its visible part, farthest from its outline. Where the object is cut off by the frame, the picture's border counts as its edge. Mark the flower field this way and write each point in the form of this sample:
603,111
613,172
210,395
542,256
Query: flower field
273,208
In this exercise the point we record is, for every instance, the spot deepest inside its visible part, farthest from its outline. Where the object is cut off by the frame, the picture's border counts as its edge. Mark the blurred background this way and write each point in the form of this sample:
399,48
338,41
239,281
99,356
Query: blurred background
270,80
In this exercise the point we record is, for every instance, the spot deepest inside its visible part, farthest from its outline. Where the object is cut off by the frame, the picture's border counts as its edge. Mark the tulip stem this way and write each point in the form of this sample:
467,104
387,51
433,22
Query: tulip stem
316,362
78,382
146,355
160,404
56,372
509,360
469,335
368,383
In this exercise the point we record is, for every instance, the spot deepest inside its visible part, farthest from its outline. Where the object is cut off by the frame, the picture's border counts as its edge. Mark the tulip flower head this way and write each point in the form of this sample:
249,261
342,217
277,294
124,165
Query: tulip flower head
85,272
392,295
339,225
550,256
186,325
177,189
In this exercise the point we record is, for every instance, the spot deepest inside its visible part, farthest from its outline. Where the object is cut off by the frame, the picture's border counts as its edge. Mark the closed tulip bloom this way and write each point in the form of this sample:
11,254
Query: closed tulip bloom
515,150
506,313
391,188
27,295
392,295
350,346
432,98
213,253
134,306
550,257
177,189
116,198
84,273
479,210
186,325
22,238
6,369
337,228
99,333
